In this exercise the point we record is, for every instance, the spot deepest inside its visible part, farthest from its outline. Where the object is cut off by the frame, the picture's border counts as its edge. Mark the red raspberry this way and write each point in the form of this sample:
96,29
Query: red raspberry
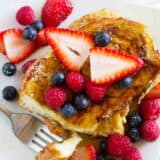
27,65
95,92
150,130
132,154
149,109
25,15
55,97
55,11
117,144
75,81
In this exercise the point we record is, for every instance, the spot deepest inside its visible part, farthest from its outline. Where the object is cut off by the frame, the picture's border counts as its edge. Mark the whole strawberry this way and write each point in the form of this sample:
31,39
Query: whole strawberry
55,11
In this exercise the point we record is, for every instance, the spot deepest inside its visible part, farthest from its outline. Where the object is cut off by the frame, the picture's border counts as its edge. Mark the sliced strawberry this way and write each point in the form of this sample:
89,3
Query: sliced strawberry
41,39
17,48
84,153
154,93
71,47
109,66
2,48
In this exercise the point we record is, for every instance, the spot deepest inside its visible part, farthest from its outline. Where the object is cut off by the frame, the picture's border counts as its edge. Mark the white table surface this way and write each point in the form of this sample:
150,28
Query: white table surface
10,147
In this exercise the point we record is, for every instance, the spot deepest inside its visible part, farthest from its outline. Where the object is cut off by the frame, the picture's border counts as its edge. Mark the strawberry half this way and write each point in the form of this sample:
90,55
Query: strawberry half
17,48
71,47
2,48
109,66
41,39
154,93
84,153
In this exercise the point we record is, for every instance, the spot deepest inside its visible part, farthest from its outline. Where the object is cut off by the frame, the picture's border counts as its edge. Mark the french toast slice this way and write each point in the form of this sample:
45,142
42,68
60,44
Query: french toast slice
107,117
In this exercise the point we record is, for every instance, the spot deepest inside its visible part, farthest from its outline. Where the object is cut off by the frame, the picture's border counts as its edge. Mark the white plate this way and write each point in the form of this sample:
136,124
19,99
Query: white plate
10,147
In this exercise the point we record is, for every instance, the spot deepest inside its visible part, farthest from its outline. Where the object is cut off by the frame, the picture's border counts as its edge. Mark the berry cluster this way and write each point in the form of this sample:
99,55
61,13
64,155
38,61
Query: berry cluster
56,96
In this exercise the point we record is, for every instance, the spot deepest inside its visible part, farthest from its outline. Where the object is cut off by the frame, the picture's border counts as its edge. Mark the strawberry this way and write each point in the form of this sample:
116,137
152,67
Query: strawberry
84,153
71,47
55,11
109,66
17,48
41,39
154,93
2,48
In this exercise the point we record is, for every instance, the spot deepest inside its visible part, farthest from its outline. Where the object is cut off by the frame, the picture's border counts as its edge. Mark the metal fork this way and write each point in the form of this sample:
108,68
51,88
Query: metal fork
30,130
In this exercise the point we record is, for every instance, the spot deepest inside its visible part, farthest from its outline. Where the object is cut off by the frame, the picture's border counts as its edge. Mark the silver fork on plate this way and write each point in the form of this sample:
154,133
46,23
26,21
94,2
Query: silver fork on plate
30,130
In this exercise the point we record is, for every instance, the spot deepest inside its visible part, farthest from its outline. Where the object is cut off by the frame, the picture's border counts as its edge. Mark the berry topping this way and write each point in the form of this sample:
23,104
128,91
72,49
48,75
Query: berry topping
25,15
17,48
27,65
102,39
84,153
9,93
30,33
117,144
133,134
68,110
125,83
81,102
55,11
150,130
71,47
95,92
132,154
149,109
38,25
154,93
2,48
55,97
58,78
75,81
9,69
109,66
41,39
134,120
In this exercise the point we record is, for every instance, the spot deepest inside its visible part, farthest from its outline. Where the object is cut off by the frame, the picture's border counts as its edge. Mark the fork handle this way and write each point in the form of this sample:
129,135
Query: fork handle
6,112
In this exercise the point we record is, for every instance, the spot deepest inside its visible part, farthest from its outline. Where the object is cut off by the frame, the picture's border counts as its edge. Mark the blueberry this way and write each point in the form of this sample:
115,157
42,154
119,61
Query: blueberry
134,134
134,120
68,110
81,102
58,78
102,39
9,93
103,146
125,83
9,69
38,25
29,33
100,157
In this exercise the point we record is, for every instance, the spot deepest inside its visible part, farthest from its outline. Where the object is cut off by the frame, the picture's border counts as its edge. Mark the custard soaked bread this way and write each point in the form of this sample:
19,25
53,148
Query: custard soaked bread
107,117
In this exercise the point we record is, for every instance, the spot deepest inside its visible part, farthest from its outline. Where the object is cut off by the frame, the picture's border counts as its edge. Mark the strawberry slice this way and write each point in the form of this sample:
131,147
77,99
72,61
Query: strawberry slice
41,39
2,48
84,153
109,66
71,47
154,93
17,48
